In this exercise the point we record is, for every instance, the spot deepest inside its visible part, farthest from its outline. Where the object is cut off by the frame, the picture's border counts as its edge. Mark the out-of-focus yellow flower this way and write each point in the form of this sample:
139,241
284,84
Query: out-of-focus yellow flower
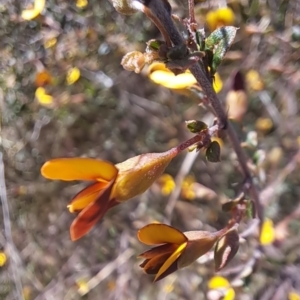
111,184
83,287
254,80
50,43
175,249
42,97
236,104
3,258
161,75
267,235
29,14
73,75
81,3
220,17
294,296
217,83
264,125
187,190
169,288
27,292
221,284
43,78
111,285
166,183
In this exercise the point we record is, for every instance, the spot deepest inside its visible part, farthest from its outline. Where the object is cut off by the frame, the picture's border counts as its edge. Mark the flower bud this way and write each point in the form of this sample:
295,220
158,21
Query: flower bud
226,248
133,61
195,126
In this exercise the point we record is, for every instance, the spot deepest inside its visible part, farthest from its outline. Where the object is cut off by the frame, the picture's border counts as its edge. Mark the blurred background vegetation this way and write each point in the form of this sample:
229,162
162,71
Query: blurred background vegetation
63,93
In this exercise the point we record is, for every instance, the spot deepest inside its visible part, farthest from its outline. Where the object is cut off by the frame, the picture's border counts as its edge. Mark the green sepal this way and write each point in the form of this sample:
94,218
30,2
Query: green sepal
213,152
195,126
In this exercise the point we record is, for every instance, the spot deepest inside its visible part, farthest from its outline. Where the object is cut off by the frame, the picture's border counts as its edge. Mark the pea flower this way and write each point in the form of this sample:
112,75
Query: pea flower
175,249
267,235
221,17
161,75
32,13
111,184
220,286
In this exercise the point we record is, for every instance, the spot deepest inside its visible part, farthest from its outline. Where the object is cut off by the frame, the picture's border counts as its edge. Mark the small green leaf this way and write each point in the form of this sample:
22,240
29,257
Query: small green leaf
250,209
154,44
195,126
213,152
219,42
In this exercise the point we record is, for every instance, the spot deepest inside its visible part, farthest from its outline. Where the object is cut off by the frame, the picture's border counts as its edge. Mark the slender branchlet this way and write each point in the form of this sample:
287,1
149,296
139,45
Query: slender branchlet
160,13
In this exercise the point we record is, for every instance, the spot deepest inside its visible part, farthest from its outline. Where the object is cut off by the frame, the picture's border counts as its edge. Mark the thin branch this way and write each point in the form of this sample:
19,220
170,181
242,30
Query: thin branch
216,104
183,171
107,270
268,192
187,164
7,229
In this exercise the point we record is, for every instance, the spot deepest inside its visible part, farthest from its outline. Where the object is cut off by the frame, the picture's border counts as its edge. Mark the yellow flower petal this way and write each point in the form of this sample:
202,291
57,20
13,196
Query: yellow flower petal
79,168
155,234
170,260
83,287
171,81
229,294
81,3
220,17
73,75
86,196
212,20
157,66
50,43
42,97
218,282
39,5
167,184
3,259
29,14
267,233
217,83
225,16
294,296
254,80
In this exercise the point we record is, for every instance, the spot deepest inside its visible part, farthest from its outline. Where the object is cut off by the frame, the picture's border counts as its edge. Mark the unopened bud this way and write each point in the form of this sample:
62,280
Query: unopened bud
226,248
195,126
133,61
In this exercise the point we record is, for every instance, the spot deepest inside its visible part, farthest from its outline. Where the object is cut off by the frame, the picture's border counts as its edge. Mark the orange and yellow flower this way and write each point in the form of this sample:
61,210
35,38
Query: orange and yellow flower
175,249
111,184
